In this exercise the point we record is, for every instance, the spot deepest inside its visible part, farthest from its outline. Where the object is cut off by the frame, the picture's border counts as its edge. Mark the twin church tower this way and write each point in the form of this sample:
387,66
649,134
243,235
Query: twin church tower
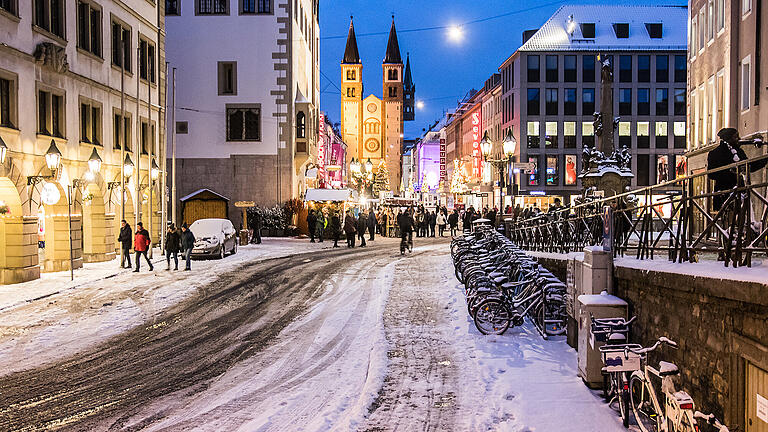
371,127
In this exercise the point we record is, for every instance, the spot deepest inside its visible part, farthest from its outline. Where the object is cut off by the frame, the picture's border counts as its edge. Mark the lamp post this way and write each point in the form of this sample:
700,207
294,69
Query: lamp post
509,145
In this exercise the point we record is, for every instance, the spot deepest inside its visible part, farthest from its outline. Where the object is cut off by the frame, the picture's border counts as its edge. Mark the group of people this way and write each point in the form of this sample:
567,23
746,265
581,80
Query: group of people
319,222
426,221
175,241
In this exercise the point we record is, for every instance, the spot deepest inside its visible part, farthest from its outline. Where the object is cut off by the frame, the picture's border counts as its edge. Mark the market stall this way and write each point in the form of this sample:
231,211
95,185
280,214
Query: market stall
330,201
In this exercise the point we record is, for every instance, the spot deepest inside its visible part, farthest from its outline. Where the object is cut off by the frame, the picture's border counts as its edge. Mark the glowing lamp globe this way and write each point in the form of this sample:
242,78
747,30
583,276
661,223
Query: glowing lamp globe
486,145
509,145
94,162
53,156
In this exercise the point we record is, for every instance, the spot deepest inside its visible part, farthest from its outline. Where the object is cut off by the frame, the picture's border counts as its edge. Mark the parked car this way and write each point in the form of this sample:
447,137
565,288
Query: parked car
213,238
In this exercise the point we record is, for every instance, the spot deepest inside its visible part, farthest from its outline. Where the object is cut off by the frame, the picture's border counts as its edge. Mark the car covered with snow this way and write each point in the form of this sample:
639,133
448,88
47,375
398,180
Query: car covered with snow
213,238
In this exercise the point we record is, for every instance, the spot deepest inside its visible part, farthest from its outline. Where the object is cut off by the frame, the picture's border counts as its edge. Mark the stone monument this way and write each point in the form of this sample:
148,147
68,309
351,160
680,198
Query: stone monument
604,167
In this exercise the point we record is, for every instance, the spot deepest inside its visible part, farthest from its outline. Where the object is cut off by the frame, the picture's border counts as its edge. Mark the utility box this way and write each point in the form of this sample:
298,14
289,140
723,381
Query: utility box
601,305
597,274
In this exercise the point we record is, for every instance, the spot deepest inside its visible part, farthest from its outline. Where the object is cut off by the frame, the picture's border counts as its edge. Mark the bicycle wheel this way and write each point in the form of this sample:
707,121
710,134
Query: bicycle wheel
607,387
492,317
623,399
642,405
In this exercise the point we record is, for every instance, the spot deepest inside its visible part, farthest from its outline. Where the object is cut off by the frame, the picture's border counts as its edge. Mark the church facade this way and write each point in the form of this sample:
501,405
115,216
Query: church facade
372,127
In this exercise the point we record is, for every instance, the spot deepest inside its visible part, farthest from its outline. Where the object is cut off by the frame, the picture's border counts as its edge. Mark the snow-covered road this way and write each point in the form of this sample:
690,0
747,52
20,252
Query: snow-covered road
319,340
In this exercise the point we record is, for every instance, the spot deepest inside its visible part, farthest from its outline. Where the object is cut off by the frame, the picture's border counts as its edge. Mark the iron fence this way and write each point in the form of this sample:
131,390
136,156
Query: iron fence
674,219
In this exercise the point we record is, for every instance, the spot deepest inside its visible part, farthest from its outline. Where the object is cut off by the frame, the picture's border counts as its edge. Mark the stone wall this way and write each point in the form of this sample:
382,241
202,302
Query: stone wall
719,324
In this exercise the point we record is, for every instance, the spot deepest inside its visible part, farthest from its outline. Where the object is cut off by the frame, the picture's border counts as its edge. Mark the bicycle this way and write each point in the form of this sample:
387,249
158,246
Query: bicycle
406,242
618,362
677,414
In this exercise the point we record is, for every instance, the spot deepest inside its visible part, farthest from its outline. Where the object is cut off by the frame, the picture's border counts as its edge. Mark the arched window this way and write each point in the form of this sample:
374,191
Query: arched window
301,125
350,75
392,74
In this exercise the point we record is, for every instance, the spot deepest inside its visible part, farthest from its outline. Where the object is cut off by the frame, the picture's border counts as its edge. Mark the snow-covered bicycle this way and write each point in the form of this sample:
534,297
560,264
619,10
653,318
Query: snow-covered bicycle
677,413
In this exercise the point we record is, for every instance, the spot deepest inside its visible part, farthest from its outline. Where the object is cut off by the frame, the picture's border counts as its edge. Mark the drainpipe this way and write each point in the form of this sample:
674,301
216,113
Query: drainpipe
758,47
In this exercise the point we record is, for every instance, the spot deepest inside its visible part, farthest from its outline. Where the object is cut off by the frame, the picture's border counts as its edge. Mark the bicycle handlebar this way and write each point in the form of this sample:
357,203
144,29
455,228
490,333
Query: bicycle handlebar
711,420
662,341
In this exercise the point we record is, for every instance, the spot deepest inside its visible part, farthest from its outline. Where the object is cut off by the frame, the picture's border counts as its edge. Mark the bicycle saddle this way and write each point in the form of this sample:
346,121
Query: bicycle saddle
668,369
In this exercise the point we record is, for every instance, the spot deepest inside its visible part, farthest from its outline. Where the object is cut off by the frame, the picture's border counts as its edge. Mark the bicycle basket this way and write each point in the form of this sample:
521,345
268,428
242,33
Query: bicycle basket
617,359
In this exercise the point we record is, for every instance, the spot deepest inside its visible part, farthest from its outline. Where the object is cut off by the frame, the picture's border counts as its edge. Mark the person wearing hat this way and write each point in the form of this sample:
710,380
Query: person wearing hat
141,244
729,151
187,243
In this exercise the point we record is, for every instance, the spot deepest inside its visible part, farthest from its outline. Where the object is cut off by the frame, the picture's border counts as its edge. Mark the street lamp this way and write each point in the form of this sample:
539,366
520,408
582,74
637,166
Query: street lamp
94,162
369,165
486,145
53,156
354,166
3,150
154,171
509,145
127,167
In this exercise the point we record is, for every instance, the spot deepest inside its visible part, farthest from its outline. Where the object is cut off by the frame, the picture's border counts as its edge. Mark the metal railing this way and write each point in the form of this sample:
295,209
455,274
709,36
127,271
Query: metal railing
674,219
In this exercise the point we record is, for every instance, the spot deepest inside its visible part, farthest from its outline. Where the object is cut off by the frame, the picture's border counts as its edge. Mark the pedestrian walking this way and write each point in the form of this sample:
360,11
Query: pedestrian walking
440,220
257,222
311,222
141,244
335,229
432,223
453,221
187,244
172,246
371,224
125,238
405,223
350,228
362,226
320,222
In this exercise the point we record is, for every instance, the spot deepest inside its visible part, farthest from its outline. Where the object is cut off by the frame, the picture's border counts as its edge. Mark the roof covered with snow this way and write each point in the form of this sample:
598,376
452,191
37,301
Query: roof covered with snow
337,195
204,194
554,34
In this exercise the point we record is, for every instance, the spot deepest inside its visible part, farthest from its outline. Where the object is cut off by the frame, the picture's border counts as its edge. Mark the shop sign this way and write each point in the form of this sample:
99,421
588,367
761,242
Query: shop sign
477,166
49,194
443,173
321,148
244,204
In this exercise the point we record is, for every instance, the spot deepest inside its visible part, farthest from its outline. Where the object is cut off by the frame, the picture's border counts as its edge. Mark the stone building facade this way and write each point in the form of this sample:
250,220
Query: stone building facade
246,115
61,76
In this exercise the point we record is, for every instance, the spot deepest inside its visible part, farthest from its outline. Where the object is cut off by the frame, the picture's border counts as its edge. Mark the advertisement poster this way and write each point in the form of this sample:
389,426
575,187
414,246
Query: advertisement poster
570,170
662,168
533,178
681,165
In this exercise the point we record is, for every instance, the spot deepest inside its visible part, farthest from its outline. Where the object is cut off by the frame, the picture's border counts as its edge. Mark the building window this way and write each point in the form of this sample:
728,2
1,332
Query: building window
126,131
569,68
720,15
49,15
301,125
569,134
679,132
88,28
147,136
587,134
50,113
9,6
662,102
680,68
643,171
693,38
720,101
588,30
679,108
552,68
625,68
643,101
654,30
121,37
172,7
182,127
746,6
553,178
625,101
702,35
662,68
350,92
351,75
146,60
569,101
227,78
533,68
533,178
392,74
662,136
587,101
644,68
551,101
711,20
625,134
256,7
212,7
588,68
512,106
533,134
243,122
8,102
621,30
550,139
643,135
746,65
90,123
393,92
534,104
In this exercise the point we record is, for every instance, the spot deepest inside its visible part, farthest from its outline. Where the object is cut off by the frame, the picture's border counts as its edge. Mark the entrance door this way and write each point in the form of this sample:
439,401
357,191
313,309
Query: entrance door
757,399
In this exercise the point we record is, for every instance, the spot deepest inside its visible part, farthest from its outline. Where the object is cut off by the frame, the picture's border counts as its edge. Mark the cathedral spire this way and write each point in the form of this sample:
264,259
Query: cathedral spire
351,55
393,48
407,80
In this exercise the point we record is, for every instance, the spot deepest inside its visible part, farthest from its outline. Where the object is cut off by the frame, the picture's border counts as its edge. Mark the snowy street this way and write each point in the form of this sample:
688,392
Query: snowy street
288,336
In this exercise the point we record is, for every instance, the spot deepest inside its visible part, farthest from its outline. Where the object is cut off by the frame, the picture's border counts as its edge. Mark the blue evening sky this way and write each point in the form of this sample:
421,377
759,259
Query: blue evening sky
443,70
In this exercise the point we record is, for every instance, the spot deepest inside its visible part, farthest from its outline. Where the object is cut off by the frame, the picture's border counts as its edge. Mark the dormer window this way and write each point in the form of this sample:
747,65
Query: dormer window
654,30
588,30
621,30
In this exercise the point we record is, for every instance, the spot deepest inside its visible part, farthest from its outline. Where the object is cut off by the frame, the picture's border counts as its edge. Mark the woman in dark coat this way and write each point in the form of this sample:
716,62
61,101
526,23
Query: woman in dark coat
729,151
172,246
335,229
350,225
362,225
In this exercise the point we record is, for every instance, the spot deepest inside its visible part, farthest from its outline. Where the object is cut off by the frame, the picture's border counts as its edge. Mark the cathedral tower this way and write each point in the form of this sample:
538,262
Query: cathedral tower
409,92
392,78
351,96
